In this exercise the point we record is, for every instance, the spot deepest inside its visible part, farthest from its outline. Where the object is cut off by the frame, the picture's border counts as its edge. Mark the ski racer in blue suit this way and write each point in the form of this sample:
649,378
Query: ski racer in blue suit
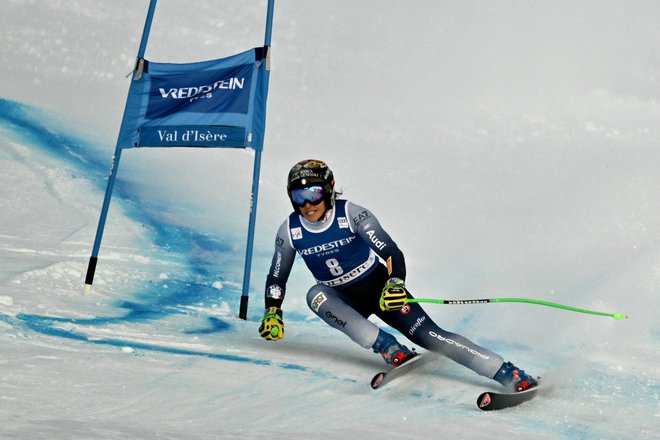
358,268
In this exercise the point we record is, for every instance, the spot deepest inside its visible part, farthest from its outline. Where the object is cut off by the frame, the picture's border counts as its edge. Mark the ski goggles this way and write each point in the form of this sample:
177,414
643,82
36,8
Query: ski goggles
313,194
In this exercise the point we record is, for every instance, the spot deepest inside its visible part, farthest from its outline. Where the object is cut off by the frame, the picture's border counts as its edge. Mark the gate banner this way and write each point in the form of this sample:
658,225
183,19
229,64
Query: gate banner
214,104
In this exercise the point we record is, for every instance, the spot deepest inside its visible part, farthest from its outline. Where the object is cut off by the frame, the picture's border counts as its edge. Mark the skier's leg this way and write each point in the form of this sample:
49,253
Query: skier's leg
416,325
330,306
413,322
337,311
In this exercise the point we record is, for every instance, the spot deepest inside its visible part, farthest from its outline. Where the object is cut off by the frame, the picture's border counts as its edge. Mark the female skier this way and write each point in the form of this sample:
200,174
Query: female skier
358,267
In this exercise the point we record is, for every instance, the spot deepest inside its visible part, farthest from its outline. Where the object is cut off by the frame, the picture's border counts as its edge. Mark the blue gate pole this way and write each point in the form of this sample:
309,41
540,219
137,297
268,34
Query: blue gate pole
242,314
269,22
250,242
91,267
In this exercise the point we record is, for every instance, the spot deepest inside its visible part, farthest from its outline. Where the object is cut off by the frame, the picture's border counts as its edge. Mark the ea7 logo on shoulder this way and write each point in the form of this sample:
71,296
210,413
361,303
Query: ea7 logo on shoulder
361,217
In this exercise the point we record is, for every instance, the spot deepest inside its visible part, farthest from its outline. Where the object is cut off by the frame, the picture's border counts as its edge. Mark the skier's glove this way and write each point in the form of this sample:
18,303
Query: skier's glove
394,295
272,325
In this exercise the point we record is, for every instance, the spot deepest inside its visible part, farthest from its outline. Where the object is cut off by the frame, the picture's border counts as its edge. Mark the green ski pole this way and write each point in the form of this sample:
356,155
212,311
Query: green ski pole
514,300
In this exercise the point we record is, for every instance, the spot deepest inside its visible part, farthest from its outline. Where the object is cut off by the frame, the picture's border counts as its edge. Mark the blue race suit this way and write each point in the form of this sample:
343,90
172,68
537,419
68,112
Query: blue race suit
351,257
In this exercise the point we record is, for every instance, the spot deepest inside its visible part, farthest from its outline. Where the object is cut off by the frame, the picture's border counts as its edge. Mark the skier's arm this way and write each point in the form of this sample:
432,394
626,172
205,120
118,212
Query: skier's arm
280,268
365,224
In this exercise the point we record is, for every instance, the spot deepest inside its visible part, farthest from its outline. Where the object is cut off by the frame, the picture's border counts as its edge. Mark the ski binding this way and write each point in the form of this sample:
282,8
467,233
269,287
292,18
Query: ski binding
384,377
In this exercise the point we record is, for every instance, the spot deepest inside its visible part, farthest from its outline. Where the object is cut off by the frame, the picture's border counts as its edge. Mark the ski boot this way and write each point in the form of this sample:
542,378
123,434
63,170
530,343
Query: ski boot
514,378
393,353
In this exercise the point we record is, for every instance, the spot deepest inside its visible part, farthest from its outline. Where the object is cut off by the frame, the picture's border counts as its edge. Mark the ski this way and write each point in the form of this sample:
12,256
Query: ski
490,401
384,377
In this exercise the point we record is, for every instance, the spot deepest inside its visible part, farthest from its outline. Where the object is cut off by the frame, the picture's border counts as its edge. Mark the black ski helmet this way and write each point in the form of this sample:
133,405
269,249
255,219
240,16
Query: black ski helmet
311,172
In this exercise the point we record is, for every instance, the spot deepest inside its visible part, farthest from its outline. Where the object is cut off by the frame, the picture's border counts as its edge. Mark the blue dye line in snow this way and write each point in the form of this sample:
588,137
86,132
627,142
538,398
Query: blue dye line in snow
27,123
196,249
48,326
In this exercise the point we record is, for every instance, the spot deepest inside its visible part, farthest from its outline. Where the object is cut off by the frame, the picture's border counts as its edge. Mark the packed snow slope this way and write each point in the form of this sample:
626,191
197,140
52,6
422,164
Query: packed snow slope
510,148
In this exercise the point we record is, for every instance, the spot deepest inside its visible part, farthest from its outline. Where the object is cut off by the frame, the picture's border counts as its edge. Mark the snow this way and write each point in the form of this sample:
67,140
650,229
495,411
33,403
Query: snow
511,149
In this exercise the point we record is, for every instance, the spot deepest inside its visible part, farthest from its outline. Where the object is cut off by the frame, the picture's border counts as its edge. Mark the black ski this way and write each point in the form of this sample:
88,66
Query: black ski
490,401
384,377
